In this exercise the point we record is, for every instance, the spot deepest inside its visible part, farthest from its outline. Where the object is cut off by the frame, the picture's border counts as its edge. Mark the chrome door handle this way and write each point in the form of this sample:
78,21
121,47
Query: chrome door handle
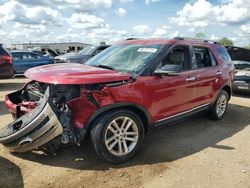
219,73
190,79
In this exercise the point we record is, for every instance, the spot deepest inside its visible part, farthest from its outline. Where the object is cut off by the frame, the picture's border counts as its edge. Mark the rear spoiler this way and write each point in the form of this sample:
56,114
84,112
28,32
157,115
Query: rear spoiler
238,53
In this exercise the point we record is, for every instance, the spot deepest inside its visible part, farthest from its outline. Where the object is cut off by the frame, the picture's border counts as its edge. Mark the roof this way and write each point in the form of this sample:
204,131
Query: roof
146,41
168,41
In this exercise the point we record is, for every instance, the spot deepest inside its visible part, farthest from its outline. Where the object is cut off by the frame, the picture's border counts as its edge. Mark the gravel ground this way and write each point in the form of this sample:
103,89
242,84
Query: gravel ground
194,153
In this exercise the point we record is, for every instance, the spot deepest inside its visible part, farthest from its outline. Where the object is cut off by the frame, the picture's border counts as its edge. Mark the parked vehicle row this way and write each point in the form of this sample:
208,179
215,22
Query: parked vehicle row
81,56
119,95
23,61
241,60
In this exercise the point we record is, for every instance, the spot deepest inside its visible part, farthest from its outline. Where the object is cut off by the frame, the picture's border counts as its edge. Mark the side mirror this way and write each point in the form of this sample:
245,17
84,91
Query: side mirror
168,70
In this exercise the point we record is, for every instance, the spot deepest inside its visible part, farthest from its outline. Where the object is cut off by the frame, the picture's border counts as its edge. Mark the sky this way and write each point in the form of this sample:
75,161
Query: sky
93,21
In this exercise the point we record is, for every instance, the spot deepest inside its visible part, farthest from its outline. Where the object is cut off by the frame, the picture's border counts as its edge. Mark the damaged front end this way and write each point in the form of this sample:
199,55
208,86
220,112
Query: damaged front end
41,114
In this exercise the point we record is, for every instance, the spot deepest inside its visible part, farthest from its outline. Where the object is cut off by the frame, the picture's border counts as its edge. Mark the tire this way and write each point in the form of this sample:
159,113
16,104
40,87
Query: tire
109,134
220,106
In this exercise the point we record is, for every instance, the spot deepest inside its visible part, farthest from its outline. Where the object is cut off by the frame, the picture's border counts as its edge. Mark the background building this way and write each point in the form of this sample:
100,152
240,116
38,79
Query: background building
63,47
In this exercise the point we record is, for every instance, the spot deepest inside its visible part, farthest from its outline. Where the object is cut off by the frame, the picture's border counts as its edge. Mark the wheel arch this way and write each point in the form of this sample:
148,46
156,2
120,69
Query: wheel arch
137,109
228,89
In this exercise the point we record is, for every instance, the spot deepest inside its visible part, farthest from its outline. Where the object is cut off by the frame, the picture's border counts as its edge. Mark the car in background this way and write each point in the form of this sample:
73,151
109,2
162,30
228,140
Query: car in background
24,60
6,70
81,56
242,77
49,53
241,60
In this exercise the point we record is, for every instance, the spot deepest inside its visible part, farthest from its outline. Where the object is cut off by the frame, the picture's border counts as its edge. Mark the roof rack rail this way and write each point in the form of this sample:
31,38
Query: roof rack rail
196,40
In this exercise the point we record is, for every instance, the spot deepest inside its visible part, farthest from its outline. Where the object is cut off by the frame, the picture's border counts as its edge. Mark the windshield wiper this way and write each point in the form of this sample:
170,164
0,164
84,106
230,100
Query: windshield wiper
106,67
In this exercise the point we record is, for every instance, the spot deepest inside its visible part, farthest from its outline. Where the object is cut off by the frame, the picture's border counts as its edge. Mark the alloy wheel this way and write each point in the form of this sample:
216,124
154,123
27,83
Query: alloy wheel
121,136
221,105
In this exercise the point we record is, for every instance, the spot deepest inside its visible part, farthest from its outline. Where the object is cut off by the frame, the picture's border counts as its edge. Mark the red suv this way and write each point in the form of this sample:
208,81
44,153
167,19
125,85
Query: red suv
6,70
119,95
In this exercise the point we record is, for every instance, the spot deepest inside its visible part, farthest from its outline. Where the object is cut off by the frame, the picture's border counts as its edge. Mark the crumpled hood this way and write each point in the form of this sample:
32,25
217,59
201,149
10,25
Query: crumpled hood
73,73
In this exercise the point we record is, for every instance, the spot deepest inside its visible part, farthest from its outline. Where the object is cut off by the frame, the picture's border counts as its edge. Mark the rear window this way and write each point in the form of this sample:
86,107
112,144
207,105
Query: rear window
224,56
204,58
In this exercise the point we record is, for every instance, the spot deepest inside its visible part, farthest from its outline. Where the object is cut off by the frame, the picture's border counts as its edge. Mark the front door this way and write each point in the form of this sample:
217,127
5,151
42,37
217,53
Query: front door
173,94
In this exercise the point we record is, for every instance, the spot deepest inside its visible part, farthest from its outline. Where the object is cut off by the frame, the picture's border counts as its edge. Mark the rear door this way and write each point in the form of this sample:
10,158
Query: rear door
207,75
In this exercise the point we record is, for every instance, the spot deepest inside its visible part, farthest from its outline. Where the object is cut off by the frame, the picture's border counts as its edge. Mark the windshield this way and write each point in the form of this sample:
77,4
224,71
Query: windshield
242,64
88,50
128,58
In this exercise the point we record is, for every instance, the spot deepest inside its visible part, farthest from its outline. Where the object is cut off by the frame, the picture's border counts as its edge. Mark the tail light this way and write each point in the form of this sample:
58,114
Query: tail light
6,59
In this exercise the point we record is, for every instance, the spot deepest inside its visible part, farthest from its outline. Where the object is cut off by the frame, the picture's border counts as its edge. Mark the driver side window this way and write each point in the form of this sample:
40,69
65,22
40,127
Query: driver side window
177,59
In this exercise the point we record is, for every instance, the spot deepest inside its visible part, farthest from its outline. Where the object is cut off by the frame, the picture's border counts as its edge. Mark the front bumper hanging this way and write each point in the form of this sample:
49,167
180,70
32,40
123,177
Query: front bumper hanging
33,129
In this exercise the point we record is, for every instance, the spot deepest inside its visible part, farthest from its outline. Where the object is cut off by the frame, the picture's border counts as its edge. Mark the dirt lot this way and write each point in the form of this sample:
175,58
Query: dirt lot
195,153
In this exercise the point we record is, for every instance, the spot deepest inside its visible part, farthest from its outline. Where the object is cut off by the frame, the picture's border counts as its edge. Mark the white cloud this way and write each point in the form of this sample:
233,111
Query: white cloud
121,12
214,38
68,37
166,27
126,1
174,34
28,26
26,35
80,5
16,12
195,15
245,29
165,32
160,32
106,34
85,21
234,12
242,35
2,33
202,13
141,29
151,1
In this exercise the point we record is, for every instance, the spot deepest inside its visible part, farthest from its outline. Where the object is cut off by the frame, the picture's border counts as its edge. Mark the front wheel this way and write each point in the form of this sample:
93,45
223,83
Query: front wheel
117,136
220,106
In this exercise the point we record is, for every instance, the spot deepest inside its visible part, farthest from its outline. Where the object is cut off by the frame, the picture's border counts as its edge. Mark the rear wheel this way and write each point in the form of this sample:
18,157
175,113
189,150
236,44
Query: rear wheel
118,136
220,106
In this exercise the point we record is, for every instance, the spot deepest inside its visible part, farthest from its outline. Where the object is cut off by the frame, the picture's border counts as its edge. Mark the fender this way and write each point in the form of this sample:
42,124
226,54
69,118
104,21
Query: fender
115,106
218,92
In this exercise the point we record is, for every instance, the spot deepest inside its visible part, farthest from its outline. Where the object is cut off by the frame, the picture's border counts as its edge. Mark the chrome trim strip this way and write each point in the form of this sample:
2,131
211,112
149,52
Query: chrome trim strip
193,109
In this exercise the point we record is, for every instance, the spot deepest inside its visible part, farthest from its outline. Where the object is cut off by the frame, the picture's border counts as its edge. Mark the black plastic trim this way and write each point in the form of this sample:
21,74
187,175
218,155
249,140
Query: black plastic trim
181,117
112,107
